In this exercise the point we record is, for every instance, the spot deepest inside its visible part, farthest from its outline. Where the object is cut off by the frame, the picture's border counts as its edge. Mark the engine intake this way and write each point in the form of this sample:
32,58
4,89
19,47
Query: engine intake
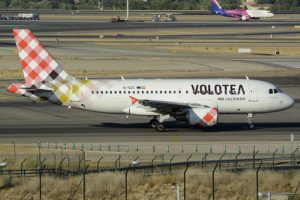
199,116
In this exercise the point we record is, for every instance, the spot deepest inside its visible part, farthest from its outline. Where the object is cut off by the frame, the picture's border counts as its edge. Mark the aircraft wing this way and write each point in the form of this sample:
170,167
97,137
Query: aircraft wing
170,107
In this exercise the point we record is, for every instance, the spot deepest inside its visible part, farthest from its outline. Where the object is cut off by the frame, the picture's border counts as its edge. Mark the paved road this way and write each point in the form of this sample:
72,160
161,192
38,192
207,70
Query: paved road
24,121
61,26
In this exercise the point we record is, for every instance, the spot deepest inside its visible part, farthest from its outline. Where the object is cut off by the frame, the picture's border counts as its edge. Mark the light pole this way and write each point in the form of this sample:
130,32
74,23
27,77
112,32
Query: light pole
127,9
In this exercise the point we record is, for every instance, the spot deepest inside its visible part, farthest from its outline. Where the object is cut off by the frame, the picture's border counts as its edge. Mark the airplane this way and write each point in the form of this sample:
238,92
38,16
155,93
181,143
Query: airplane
197,102
243,15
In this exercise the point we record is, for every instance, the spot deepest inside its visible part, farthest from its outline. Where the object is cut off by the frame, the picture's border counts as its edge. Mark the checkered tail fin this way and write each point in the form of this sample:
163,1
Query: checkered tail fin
37,63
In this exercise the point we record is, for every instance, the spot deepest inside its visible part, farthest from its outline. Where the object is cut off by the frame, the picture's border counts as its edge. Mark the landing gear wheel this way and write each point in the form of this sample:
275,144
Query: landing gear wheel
251,126
159,127
250,121
152,123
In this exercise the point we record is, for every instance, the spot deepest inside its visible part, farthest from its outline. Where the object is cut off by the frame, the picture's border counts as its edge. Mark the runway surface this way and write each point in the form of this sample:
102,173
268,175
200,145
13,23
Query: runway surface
27,122
61,26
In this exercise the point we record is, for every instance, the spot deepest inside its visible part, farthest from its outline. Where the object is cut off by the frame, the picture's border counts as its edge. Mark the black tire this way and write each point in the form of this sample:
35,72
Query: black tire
159,127
152,123
251,127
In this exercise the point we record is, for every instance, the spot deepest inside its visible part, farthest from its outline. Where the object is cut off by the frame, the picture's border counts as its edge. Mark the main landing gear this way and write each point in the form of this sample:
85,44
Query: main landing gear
157,123
250,121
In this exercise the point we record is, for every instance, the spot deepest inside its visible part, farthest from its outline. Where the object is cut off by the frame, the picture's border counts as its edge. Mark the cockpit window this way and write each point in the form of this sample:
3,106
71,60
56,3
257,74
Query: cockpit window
275,91
279,90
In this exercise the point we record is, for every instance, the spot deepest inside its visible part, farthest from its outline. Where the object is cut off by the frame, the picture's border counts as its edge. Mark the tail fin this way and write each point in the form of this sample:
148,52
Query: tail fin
216,8
37,63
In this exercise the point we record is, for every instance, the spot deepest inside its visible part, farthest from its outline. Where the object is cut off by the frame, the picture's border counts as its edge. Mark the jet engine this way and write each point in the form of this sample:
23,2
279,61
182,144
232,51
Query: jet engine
244,18
199,116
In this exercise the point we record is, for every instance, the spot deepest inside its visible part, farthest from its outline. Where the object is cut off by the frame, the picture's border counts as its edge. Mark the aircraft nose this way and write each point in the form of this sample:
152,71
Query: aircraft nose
289,101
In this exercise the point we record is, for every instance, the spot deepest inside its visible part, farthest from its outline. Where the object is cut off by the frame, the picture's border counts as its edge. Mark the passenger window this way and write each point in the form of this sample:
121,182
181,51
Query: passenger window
270,91
165,92
97,92
106,92
120,92
92,92
101,92
151,92
110,92
133,92
115,92
160,92
124,92
138,92
147,92
128,92
275,91
142,92
186,92
170,92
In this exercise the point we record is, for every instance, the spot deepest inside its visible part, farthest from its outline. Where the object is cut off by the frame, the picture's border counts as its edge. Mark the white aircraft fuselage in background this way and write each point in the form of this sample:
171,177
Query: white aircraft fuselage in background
194,101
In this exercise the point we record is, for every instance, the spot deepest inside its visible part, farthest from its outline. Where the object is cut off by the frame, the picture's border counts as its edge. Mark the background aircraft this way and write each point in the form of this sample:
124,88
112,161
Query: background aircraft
194,101
241,14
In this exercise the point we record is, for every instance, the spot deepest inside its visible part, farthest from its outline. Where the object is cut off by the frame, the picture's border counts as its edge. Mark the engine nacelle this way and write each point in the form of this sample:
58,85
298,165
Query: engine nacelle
199,116
244,18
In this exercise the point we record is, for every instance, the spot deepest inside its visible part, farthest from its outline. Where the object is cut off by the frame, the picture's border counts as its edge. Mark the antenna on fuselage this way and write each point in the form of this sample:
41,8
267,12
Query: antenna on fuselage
122,77
247,78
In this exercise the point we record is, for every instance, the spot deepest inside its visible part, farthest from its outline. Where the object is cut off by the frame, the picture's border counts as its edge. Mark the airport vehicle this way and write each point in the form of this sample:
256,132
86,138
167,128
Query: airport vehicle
3,17
28,16
243,15
22,16
118,19
197,102
169,18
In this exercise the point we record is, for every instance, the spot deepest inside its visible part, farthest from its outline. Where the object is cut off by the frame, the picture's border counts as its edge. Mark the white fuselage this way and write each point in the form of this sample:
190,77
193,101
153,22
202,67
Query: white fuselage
226,95
259,13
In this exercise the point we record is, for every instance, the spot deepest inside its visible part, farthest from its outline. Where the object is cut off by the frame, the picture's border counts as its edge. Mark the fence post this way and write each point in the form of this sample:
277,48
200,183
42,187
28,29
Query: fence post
221,160
204,160
257,182
60,165
118,162
126,181
153,149
184,181
210,149
170,167
152,161
84,179
213,182
253,160
293,157
68,159
274,158
54,161
98,163
184,176
236,161
22,166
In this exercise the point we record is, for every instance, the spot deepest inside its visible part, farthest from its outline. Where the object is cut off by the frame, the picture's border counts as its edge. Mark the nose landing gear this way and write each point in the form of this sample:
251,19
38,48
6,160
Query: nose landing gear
250,121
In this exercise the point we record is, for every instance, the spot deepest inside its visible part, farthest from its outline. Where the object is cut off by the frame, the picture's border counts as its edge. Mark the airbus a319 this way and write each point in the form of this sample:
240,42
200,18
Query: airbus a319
197,102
